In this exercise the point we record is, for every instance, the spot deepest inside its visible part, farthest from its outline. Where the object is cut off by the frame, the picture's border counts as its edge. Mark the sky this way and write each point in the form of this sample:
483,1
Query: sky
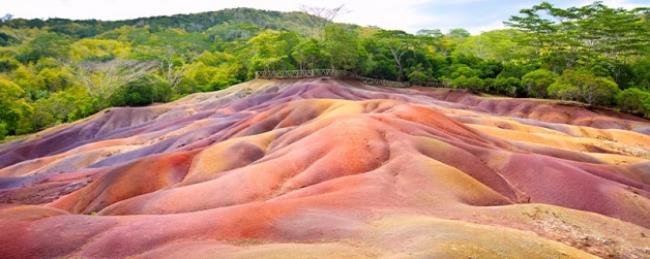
408,15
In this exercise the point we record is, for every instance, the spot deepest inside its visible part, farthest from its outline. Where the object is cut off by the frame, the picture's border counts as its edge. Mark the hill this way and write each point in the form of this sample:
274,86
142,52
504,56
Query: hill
196,22
332,168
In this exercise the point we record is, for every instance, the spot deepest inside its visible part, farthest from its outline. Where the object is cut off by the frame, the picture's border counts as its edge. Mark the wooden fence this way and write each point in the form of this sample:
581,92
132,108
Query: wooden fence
342,74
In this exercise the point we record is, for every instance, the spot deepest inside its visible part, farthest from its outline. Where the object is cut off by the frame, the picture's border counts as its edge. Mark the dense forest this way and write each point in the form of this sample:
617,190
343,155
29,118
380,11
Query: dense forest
58,70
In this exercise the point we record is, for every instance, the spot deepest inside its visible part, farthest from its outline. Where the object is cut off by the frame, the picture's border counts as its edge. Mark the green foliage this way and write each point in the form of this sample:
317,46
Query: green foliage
536,82
199,77
634,100
98,50
63,106
44,45
8,65
308,54
54,79
459,70
510,86
341,47
13,109
418,77
142,91
272,51
499,45
472,83
585,87
3,130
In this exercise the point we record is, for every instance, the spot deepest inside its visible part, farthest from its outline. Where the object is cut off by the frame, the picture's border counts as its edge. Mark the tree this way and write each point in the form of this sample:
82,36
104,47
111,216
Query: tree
398,44
463,70
434,33
54,78
7,17
473,83
326,14
418,77
8,64
98,50
45,44
499,45
634,100
142,91
63,106
584,86
308,54
510,86
103,78
13,109
271,50
458,33
567,37
536,82
341,47
199,77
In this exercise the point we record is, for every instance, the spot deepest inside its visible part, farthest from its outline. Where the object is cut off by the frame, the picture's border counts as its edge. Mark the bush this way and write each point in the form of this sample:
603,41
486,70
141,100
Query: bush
508,85
584,86
536,82
472,83
8,65
418,77
3,130
459,70
634,100
13,108
143,91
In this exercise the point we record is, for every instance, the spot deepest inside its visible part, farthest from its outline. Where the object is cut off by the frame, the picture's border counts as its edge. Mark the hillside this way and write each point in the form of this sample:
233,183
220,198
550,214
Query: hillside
331,168
196,22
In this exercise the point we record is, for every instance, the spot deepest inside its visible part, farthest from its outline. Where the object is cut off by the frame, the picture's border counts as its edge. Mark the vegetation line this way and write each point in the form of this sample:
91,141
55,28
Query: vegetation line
335,73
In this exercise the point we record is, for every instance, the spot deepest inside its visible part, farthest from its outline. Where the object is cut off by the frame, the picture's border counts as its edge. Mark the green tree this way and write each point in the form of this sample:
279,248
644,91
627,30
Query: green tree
98,50
341,47
308,54
45,44
13,109
510,86
634,100
418,77
8,64
536,82
473,83
584,86
272,50
142,91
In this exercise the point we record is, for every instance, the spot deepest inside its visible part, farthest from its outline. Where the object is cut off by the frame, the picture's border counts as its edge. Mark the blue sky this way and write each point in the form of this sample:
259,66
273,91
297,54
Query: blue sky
408,15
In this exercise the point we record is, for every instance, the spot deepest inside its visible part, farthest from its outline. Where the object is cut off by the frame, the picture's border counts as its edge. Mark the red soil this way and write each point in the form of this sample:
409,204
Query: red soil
325,168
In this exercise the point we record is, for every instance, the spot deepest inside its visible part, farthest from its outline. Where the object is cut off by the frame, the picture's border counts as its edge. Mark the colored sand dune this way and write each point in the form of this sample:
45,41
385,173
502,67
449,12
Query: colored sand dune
335,169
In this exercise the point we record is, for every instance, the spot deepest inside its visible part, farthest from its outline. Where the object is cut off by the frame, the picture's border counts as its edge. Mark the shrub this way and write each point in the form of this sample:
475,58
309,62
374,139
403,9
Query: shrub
507,85
634,100
584,86
3,130
8,65
536,82
472,83
418,77
143,91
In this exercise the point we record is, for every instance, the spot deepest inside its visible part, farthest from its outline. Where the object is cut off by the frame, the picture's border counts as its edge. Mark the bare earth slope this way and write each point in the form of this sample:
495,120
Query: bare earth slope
336,169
